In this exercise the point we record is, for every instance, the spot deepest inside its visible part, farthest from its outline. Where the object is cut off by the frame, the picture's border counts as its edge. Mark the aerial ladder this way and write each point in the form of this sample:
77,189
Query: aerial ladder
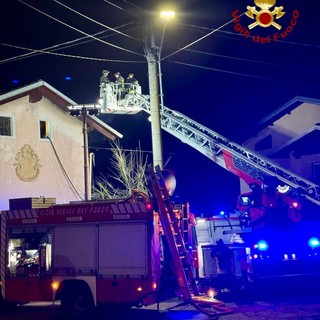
182,265
249,166
252,168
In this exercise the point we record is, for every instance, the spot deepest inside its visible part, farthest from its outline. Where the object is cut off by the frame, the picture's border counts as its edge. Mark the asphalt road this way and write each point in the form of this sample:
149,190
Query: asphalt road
295,308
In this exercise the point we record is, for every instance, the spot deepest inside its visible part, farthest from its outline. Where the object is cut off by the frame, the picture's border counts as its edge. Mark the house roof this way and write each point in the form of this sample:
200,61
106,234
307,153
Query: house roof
40,88
277,114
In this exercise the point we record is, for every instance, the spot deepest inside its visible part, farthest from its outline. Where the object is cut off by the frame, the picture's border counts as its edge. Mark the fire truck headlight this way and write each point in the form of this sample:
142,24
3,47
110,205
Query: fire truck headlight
55,285
154,285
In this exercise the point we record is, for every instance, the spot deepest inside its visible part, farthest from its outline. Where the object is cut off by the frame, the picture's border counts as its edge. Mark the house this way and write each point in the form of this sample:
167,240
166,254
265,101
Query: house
290,137
41,145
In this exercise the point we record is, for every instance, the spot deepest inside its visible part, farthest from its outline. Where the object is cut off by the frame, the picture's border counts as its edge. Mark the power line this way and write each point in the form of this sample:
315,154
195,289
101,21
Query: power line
59,46
132,150
231,72
63,170
242,59
66,55
118,7
80,31
133,5
92,20
241,36
201,38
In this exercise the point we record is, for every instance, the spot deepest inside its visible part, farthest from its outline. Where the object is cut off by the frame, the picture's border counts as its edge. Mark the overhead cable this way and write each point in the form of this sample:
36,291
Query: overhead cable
80,31
92,20
240,35
133,5
60,46
117,6
242,59
65,55
229,72
63,170
200,39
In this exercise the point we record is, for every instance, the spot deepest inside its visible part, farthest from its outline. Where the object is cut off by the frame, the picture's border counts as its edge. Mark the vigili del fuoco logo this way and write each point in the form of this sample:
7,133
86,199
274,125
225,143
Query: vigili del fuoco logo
265,14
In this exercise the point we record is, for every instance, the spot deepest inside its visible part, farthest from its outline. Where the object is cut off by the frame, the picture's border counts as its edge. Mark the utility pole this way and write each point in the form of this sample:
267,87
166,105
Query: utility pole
152,56
85,154
84,110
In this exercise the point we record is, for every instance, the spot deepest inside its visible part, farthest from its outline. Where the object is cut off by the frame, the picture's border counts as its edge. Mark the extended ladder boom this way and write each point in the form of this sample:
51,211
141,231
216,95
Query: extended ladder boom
229,155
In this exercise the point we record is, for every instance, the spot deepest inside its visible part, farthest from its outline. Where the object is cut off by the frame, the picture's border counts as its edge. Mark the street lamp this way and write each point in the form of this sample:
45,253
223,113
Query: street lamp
153,54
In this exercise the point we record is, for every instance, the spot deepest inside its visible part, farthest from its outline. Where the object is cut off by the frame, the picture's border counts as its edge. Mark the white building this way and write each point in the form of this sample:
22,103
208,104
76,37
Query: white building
290,136
41,145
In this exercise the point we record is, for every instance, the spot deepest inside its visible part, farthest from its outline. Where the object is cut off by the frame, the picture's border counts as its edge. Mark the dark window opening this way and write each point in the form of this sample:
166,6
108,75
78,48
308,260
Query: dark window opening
5,126
44,129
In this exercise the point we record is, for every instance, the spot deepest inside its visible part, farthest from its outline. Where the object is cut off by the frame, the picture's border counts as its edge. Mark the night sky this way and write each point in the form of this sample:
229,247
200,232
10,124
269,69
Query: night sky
228,79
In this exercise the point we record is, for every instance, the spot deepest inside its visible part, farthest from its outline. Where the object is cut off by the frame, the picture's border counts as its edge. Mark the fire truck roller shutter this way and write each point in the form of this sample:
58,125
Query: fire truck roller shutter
74,249
123,249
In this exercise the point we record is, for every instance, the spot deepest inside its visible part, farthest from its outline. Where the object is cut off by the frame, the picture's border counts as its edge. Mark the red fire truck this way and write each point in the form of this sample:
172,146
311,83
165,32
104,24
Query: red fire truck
84,254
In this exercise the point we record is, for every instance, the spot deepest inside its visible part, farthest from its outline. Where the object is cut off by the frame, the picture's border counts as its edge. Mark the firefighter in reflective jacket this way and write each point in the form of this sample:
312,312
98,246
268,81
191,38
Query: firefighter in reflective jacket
119,80
105,77
131,82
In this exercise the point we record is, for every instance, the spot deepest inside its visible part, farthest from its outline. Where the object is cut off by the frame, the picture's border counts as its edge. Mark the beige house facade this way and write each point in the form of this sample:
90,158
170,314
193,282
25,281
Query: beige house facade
41,145
290,137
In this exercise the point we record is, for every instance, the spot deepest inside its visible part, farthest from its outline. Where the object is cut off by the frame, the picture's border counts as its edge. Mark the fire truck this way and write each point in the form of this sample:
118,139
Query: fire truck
96,253
275,225
84,254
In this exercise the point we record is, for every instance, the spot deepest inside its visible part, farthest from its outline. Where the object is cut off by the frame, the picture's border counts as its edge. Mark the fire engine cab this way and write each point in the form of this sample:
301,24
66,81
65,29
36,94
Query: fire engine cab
83,254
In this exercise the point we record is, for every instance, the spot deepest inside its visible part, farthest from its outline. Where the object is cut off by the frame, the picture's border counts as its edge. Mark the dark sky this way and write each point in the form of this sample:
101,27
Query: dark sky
226,81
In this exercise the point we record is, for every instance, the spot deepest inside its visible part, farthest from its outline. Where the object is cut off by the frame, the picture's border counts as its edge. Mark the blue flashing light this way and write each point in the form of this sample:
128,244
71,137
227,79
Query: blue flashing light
15,81
222,213
67,78
262,245
314,242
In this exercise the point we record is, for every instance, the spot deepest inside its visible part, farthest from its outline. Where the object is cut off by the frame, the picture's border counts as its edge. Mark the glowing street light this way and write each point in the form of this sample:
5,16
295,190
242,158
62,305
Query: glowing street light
167,14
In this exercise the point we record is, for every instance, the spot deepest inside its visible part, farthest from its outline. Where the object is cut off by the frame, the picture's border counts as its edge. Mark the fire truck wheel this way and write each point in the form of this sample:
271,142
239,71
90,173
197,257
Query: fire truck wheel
77,301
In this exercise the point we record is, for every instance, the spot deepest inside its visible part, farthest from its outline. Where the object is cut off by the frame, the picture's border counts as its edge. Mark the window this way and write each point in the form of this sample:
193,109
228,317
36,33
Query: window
44,129
5,126
29,251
